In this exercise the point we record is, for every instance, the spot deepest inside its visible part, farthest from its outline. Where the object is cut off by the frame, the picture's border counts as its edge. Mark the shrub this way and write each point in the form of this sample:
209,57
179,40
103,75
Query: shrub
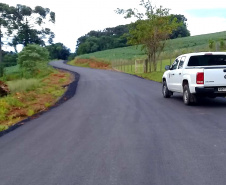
31,58
222,44
211,45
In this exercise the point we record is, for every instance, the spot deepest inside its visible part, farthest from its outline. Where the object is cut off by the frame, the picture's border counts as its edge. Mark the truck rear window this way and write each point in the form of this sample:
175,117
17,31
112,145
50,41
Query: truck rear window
207,60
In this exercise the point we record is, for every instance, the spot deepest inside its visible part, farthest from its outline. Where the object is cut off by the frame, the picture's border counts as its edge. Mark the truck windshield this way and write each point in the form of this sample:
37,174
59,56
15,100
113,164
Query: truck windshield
207,60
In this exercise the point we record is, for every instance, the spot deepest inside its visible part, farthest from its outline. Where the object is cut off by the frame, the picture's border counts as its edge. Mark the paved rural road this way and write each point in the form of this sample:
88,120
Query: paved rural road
118,130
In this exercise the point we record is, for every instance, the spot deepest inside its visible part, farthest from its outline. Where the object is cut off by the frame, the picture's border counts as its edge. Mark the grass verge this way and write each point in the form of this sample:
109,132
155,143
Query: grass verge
154,76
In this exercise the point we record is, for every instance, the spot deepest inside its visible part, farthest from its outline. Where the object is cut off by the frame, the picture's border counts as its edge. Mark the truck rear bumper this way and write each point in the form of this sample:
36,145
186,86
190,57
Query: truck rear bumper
209,91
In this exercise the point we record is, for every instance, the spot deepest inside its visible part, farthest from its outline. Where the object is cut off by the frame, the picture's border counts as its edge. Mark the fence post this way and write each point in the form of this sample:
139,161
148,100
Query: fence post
124,66
217,47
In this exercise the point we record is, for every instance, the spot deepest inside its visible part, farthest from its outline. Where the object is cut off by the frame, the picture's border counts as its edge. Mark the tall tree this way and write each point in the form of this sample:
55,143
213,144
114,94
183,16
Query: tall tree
29,25
181,30
151,29
6,15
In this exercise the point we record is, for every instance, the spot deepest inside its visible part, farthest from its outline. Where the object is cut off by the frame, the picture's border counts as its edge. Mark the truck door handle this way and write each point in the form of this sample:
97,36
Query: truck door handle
172,74
179,73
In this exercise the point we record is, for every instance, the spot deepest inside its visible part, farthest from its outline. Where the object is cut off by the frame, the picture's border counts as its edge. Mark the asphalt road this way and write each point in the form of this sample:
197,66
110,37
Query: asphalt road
118,130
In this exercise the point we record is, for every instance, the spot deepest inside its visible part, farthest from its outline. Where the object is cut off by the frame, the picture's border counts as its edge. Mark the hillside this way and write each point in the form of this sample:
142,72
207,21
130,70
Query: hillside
173,47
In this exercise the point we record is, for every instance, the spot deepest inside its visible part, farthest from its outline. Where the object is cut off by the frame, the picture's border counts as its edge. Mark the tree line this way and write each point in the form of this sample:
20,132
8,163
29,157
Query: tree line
116,37
108,38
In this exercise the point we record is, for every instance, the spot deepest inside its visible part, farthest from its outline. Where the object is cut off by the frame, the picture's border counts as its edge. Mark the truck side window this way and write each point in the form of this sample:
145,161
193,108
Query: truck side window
180,66
175,63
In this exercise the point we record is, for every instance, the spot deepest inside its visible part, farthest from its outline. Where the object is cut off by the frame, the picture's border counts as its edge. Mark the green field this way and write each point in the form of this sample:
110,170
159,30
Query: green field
126,53
173,48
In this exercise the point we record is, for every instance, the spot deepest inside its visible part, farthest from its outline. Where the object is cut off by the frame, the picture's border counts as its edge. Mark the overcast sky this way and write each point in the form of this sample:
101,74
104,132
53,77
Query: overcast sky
75,18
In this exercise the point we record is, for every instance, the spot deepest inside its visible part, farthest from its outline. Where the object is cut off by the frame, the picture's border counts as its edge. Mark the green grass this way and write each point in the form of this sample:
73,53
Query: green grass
23,85
15,72
6,103
3,127
155,76
126,53
30,112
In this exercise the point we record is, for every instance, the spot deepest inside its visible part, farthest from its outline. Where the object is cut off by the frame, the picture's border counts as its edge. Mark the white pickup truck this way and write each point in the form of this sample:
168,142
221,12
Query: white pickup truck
196,75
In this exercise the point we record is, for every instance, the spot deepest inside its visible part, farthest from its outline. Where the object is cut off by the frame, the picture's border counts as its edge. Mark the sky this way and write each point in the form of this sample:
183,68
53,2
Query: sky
75,18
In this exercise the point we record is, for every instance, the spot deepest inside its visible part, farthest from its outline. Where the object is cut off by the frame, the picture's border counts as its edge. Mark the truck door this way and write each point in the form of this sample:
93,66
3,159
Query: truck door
171,82
178,75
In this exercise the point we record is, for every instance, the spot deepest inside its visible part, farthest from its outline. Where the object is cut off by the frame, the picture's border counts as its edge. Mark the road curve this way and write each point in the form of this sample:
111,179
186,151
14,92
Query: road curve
118,130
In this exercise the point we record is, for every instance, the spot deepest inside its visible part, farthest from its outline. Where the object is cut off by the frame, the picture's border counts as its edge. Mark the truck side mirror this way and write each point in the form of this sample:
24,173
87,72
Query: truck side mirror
167,67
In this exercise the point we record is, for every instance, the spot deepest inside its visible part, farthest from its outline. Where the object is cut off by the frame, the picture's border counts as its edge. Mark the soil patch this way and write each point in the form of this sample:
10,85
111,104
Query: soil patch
96,64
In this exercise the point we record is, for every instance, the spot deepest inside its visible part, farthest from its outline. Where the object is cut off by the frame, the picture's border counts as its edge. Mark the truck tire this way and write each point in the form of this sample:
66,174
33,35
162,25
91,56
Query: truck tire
186,95
165,91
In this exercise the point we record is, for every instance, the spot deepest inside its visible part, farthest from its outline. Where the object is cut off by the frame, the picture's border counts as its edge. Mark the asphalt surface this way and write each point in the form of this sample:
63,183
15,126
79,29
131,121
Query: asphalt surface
118,130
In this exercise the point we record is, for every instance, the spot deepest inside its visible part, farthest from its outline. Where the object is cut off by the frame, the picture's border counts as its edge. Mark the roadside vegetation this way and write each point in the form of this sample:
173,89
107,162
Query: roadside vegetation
30,96
34,86
28,84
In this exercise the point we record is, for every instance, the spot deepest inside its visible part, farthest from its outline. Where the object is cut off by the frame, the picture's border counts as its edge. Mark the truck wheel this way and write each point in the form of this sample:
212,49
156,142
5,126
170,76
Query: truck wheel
186,95
165,91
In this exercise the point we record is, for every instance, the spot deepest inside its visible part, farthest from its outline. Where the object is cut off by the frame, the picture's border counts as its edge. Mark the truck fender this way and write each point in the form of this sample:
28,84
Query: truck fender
165,76
186,78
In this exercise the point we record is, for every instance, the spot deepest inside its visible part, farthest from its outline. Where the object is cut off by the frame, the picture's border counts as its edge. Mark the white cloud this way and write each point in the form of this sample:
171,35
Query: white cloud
202,25
179,5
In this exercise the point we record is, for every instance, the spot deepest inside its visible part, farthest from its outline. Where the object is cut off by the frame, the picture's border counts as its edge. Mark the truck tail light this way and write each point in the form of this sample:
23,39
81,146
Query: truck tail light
200,78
